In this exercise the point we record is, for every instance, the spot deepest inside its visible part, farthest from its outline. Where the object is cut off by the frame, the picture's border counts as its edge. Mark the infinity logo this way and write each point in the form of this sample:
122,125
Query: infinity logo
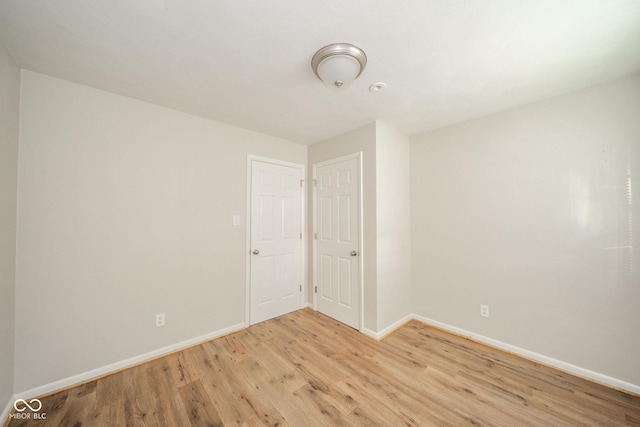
26,405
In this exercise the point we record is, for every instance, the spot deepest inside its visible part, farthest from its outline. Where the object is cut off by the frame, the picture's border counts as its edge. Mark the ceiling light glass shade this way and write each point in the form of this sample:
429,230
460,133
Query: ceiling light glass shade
339,64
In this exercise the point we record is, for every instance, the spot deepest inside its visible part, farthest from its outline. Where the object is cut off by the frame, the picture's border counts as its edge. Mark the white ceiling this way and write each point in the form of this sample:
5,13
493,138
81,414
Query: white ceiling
247,62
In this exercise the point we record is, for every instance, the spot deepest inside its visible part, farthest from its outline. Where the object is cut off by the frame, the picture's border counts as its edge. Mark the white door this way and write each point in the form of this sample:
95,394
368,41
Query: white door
276,240
337,239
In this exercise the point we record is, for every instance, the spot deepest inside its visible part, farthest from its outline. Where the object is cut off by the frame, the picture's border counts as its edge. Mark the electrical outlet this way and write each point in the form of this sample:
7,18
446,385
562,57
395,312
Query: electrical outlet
484,310
159,320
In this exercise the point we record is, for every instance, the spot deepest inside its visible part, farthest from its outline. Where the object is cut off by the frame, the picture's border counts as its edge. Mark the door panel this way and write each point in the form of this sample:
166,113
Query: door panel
265,270
337,219
276,242
344,216
345,281
326,276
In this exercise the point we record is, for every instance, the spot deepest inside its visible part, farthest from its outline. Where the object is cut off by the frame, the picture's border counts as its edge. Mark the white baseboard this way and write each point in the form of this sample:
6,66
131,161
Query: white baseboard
389,329
567,367
370,333
86,376
113,367
4,416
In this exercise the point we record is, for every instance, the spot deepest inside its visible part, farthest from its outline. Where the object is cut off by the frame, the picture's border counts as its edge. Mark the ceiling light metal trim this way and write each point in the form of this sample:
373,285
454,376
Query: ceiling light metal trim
339,49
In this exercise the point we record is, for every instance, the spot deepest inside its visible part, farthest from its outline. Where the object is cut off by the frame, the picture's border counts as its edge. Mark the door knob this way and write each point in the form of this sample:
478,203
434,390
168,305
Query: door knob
354,253
256,252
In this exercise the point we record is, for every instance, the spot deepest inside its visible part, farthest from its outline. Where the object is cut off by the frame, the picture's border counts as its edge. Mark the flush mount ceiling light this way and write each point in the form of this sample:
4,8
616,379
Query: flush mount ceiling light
339,64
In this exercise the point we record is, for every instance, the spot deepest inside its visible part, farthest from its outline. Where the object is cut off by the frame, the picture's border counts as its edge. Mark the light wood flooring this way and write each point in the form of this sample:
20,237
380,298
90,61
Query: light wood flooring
305,369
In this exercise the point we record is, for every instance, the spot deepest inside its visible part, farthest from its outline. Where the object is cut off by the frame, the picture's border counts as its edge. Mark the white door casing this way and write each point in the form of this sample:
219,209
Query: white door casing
276,244
337,239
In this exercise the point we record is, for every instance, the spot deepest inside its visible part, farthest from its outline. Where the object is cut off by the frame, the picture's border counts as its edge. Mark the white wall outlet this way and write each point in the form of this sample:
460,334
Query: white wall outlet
159,320
236,220
484,310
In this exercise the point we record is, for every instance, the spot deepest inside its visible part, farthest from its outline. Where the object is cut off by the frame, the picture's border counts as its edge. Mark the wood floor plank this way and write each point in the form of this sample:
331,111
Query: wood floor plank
198,405
276,364
479,407
248,405
235,348
160,380
599,394
558,408
112,414
217,384
138,399
289,409
306,369
632,420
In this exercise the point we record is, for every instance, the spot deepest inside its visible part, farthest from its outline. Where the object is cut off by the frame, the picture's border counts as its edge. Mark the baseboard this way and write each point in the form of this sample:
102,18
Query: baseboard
123,364
370,333
114,367
549,361
389,329
4,416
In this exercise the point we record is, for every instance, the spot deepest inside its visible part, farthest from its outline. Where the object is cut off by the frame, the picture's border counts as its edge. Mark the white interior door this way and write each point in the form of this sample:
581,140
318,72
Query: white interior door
337,239
276,240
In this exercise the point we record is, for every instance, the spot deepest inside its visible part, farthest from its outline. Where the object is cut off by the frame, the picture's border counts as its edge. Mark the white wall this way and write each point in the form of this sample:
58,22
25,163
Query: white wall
393,232
119,217
125,210
529,211
9,108
361,139
387,220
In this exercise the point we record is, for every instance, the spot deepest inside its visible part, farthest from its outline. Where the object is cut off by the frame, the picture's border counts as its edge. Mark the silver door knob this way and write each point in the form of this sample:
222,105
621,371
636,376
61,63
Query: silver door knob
256,252
354,253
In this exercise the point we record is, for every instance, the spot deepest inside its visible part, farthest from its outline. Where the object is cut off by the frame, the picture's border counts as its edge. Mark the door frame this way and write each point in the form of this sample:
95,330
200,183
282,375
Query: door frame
303,224
361,251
